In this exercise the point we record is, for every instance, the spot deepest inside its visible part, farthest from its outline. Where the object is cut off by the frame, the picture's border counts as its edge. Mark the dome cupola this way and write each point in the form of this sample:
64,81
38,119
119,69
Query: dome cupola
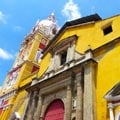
47,26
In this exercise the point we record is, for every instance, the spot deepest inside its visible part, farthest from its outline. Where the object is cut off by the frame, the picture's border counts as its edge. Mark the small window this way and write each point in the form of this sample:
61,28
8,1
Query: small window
63,57
107,30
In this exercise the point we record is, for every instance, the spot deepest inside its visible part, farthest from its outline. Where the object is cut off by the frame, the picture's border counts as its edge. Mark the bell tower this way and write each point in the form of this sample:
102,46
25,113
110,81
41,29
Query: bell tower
25,67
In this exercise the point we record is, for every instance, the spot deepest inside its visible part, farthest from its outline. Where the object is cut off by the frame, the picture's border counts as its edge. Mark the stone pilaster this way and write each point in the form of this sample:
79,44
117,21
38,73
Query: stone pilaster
79,106
51,66
38,109
89,90
68,105
56,61
32,107
71,53
42,112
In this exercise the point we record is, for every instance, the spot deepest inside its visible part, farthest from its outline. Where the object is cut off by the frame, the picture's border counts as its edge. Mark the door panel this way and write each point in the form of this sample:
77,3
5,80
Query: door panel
55,111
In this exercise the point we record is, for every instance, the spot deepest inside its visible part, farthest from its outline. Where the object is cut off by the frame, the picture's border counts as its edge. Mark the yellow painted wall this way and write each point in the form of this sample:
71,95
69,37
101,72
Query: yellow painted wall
44,64
99,38
108,75
19,103
6,112
34,48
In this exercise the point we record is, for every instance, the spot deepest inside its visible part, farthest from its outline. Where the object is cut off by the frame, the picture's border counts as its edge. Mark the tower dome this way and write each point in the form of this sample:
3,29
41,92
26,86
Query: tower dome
47,26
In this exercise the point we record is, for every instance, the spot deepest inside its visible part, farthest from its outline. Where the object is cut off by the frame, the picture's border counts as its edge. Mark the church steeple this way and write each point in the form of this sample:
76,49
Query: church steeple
26,66
30,52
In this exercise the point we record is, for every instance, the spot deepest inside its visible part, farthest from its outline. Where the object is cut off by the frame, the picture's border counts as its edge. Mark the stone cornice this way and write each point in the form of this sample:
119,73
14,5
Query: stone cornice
65,69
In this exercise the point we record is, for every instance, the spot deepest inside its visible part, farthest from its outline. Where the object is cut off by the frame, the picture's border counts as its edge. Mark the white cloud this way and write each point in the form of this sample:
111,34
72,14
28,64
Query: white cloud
71,10
18,28
2,17
5,55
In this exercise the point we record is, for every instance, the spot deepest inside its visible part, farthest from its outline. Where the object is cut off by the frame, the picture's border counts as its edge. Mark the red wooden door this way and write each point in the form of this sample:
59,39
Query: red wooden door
55,111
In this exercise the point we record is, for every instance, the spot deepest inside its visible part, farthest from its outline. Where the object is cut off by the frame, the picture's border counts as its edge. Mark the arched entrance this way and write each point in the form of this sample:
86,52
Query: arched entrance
55,111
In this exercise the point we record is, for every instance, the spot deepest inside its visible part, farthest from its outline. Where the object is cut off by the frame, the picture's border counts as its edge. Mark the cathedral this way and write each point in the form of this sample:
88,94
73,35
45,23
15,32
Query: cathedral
71,73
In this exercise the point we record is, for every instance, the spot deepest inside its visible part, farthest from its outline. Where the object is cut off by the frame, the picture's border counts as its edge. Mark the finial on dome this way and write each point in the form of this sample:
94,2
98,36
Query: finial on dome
52,17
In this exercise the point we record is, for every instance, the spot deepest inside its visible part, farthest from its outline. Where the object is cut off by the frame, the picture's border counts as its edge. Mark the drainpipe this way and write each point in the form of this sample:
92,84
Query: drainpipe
110,106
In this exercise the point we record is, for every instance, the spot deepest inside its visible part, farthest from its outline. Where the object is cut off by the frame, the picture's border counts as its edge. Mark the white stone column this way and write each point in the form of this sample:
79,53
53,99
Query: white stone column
110,106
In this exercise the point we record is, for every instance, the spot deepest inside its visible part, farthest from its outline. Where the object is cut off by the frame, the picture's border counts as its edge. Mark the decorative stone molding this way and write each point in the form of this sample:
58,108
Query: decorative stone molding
55,86
64,44
80,60
34,81
68,44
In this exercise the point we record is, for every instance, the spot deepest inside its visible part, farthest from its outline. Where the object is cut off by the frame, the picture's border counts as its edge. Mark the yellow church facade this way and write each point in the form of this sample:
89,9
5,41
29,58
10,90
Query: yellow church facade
74,77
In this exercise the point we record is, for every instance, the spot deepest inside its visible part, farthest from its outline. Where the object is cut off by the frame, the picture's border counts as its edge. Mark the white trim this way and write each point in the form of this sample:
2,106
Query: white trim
111,98
117,116
17,115
110,106
111,114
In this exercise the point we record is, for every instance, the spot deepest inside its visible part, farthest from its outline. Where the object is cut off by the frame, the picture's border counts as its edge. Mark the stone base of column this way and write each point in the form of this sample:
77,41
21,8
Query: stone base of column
79,115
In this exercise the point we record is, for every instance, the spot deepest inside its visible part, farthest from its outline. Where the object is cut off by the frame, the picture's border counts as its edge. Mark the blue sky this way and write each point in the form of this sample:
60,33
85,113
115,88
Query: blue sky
17,17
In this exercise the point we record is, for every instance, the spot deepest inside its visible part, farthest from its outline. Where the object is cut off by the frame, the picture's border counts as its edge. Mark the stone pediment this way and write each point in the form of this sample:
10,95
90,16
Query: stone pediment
64,53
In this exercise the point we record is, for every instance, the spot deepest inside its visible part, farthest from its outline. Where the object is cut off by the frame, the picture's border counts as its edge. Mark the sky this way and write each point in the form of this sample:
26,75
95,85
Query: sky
17,18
